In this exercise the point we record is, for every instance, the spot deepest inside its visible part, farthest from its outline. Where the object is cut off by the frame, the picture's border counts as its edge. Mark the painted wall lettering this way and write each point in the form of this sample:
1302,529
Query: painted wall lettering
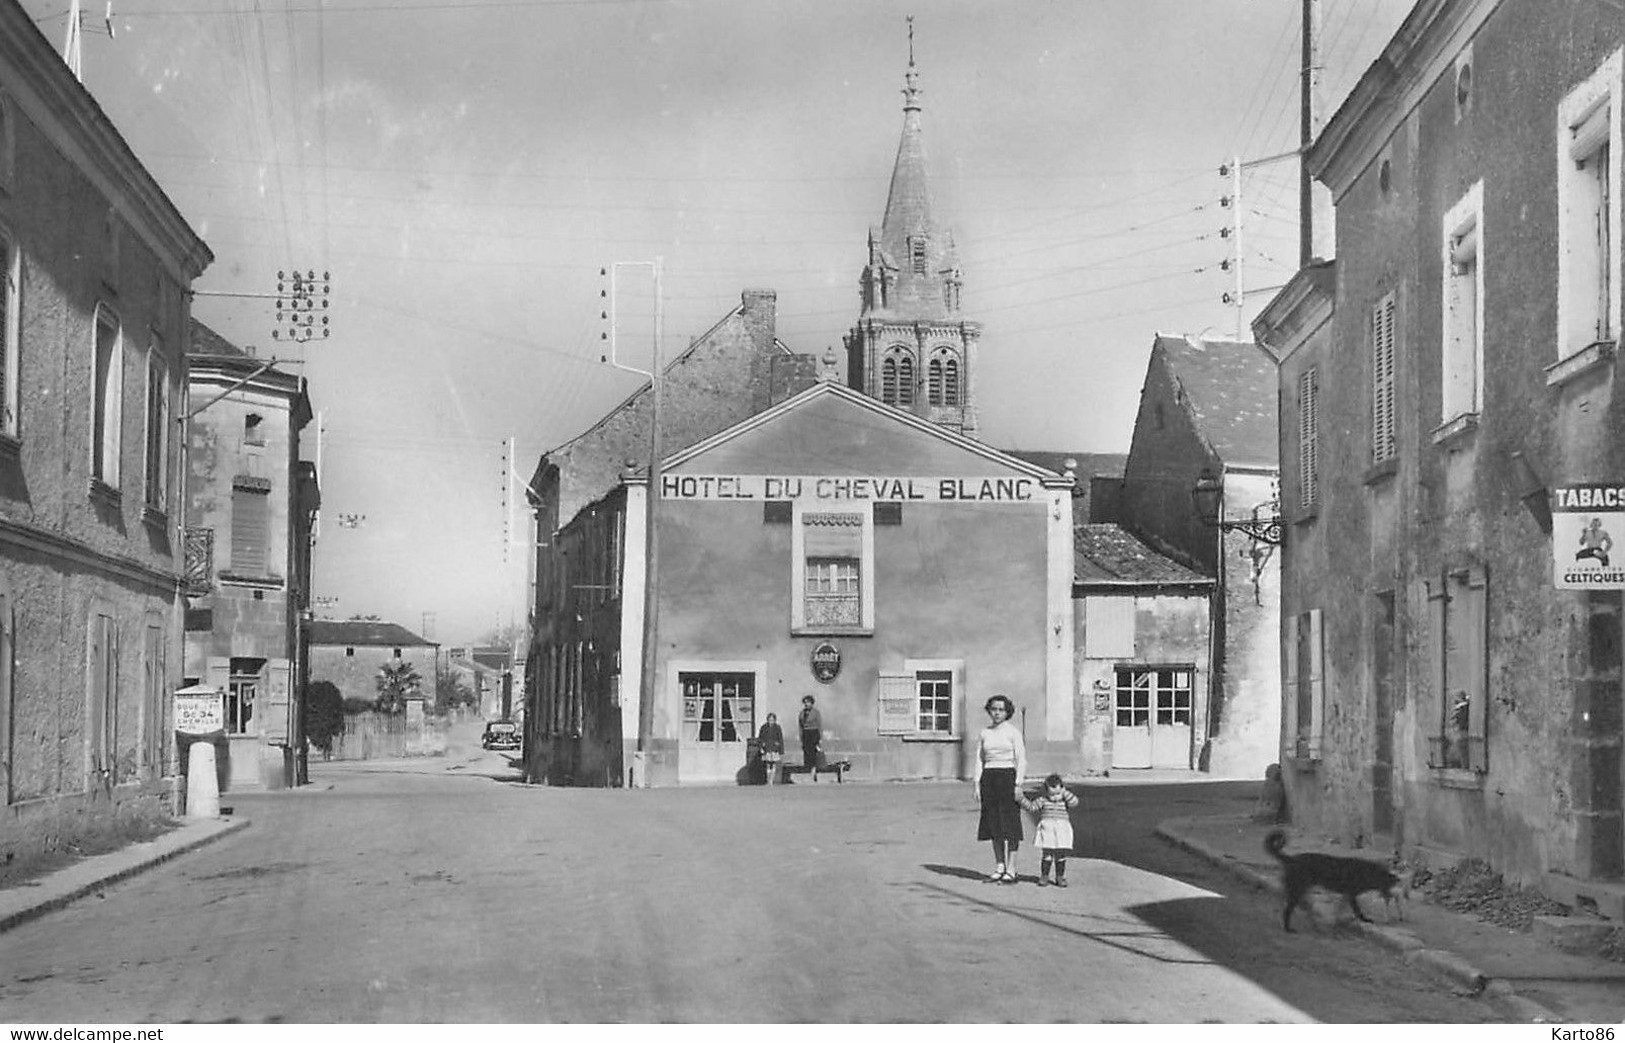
845,488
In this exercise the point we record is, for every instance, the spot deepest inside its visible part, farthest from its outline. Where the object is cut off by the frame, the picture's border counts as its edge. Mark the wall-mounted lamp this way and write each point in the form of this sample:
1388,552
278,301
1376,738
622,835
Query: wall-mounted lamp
1263,528
1207,499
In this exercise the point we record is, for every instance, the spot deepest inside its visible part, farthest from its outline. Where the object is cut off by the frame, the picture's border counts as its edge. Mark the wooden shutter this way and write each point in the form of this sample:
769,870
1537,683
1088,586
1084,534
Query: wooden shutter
1474,639
1289,705
1308,439
896,705
250,530
1317,681
1108,627
1382,380
273,714
8,308
1438,593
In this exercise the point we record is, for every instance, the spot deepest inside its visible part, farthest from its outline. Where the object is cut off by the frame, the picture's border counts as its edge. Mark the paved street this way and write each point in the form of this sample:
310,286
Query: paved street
428,891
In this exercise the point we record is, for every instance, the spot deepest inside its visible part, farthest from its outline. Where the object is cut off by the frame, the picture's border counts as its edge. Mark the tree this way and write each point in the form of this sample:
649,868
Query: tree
450,692
397,682
324,715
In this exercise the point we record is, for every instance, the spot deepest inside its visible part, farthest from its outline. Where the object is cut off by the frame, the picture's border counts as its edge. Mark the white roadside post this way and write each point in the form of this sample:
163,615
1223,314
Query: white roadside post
200,714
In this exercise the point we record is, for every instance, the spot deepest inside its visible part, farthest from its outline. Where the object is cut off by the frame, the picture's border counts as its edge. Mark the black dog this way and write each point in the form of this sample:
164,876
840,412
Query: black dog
1349,877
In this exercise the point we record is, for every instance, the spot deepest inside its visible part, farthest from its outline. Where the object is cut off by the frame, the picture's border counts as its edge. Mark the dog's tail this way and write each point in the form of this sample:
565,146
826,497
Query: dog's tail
1275,843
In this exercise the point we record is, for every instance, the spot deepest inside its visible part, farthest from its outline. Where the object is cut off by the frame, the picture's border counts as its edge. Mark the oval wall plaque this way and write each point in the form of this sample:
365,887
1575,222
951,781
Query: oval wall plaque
826,662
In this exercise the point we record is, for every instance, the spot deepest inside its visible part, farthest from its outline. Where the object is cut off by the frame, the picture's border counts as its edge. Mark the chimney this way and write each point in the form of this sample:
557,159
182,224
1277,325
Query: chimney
761,312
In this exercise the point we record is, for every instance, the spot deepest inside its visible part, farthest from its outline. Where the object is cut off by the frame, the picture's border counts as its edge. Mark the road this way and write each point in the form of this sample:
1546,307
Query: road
444,890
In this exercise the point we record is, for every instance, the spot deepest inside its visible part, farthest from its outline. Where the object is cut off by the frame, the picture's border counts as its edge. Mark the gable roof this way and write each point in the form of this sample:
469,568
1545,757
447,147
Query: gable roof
364,632
1084,465
1229,388
1106,555
901,417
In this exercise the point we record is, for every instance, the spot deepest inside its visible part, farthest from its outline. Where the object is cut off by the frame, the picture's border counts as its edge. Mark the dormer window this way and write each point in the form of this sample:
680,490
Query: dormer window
916,249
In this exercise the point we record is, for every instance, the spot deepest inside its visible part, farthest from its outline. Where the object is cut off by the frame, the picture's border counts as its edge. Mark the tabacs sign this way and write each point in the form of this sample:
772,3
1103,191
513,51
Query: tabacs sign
1585,520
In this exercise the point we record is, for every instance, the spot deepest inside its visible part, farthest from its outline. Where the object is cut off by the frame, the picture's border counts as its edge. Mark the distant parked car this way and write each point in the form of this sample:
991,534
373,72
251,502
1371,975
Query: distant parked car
501,735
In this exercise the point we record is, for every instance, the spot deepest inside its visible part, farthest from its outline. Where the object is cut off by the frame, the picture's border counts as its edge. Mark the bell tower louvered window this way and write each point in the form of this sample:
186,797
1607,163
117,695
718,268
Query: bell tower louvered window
942,378
897,377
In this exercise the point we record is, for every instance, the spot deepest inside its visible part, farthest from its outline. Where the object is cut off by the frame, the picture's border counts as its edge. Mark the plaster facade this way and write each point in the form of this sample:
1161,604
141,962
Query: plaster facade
1443,633
97,264
251,505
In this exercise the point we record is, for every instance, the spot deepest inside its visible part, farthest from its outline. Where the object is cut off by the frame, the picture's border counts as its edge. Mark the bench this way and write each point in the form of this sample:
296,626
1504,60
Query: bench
840,768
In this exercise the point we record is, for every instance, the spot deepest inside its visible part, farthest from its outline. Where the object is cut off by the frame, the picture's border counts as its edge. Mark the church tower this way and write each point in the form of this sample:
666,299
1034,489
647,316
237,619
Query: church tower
911,347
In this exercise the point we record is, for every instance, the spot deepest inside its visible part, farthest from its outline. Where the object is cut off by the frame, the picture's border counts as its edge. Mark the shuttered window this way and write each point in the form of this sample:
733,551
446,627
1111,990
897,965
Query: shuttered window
1462,376
10,329
1308,438
1305,668
1458,606
157,456
250,530
1588,188
109,395
1108,627
1383,439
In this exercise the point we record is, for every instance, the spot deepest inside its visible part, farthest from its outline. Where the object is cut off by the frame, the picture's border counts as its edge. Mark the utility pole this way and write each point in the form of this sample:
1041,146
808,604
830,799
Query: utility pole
647,690
1309,127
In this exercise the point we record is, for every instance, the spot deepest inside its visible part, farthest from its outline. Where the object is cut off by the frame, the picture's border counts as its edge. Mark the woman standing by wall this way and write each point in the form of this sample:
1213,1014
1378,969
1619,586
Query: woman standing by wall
1001,762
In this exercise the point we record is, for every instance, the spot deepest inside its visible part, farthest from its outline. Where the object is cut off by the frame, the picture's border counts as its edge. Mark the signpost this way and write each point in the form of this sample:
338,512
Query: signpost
1586,521
200,719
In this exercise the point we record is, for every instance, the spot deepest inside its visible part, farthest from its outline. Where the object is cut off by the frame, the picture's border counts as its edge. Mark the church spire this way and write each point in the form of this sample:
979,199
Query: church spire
908,204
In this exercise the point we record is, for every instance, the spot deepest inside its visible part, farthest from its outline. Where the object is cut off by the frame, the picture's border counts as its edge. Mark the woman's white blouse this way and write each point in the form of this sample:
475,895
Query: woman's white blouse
1001,746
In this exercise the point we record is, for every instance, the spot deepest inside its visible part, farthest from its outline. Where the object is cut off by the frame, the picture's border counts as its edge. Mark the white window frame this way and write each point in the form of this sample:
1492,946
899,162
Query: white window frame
1588,263
108,398
1461,377
11,272
900,698
798,571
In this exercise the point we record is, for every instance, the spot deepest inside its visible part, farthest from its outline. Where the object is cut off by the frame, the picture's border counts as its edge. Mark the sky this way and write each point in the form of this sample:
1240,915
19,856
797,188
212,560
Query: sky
464,169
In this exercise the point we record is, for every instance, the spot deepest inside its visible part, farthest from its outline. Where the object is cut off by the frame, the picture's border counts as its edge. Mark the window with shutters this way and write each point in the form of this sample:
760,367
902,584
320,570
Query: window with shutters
8,141
101,733
1108,627
154,677
157,455
923,700
250,527
11,258
8,661
832,568
1462,369
242,690
1458,602
1304,664
1588,205
1308,439
1384,441
108,389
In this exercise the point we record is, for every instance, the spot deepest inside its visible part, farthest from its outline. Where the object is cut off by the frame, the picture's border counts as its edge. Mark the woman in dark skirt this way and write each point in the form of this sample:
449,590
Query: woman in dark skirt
1001,763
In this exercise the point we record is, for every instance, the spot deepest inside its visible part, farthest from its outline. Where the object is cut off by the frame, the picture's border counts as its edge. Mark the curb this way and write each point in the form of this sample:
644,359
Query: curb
119,867
1413,950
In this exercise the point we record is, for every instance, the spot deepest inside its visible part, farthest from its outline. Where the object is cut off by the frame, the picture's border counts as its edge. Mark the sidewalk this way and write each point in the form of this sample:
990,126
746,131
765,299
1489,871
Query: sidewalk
34,898
1532,980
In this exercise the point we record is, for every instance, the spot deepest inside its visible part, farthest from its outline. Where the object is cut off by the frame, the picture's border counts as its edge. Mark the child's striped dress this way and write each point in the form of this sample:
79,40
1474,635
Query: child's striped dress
1054,832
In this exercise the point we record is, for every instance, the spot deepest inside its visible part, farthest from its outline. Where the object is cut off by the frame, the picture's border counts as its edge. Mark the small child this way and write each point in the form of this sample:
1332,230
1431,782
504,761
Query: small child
1054,833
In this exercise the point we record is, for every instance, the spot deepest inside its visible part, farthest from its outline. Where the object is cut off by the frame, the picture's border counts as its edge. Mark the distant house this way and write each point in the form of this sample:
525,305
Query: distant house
1209,406
352,653
586,599
96,265
251,505
1143,624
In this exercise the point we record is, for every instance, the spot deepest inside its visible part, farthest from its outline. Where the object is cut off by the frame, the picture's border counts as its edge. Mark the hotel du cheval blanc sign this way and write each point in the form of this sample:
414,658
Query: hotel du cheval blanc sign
1586,522
849,488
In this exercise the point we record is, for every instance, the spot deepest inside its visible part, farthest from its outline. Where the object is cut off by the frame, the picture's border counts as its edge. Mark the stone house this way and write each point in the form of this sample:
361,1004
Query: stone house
586,598
251,505
1208,407
1143,640
95,268
351,653
1457,622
